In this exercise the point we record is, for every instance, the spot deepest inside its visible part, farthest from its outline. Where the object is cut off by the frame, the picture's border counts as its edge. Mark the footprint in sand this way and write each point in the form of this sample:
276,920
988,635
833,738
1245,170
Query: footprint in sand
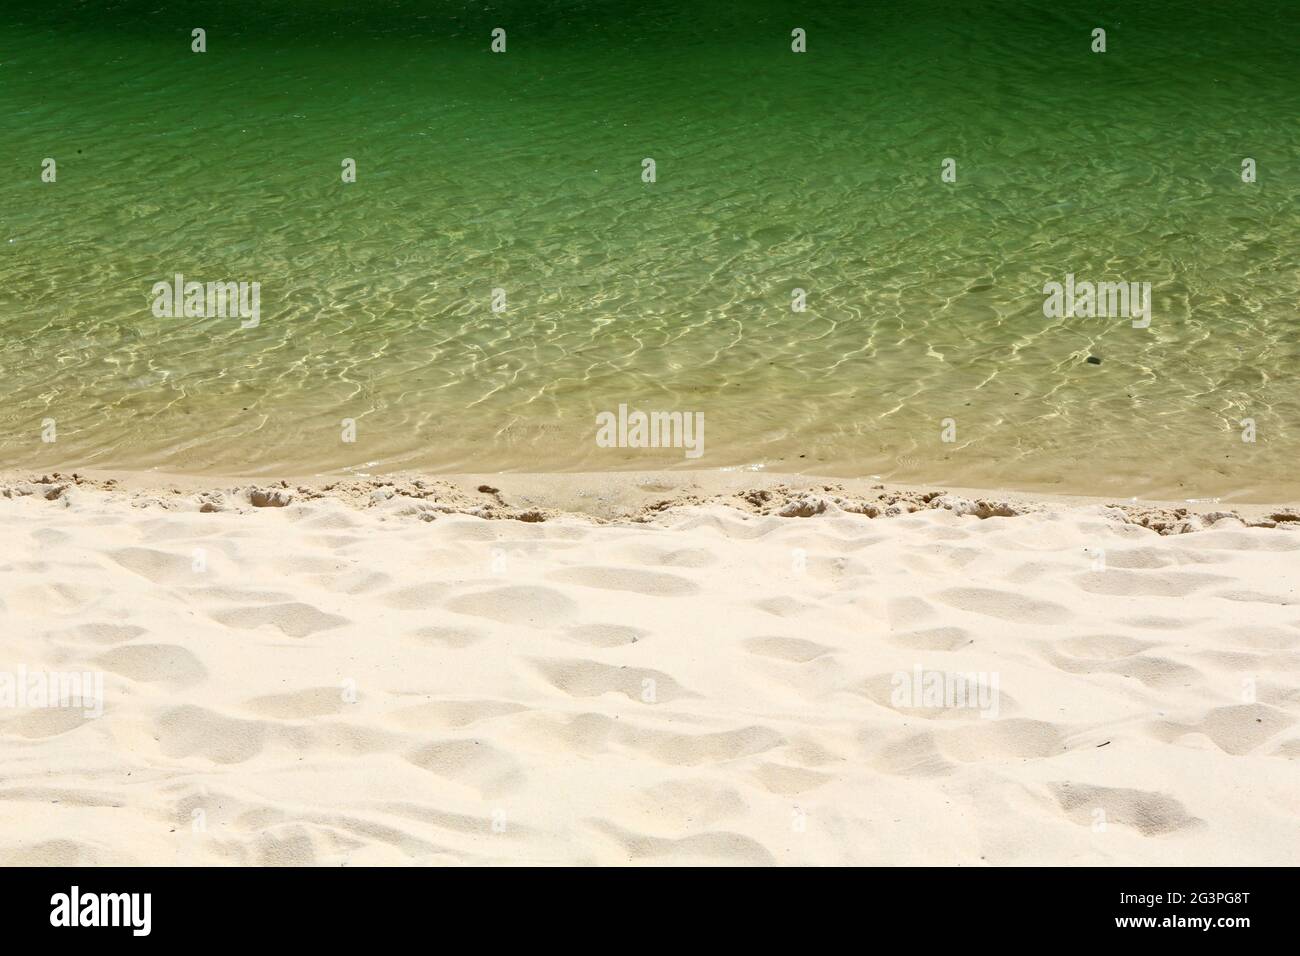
1151,814
1141,558
417,597
1146,583
355,581
783,606
789,781
606,635
300,705
916,755
46,722
787,648
522,604
1236,730
903,612
668,557
50,537
1156,622
716,847
1262,637
455,637
939,752
1102,647
884,689
158,567
1155,671
454,713
693,749
933,638
1005,605
154,664
190,731
102,632
57,853
292,618
635,580
580,678
42,600
1260,597
999,739
286,846
691,802
470,762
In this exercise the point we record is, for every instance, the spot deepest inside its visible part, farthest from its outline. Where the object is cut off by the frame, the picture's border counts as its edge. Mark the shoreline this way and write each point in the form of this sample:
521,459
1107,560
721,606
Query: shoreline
1079,482
627,495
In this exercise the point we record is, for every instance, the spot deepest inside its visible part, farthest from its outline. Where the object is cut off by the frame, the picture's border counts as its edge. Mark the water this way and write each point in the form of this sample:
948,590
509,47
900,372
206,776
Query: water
775,171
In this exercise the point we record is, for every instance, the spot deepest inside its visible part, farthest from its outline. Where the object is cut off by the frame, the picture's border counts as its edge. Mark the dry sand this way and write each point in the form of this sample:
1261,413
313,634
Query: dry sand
420,671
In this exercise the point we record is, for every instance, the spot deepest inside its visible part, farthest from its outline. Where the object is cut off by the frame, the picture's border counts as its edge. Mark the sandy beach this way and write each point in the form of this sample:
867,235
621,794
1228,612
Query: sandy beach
644,669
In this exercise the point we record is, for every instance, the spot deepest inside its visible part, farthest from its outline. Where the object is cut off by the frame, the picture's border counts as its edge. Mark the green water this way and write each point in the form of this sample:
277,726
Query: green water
775,170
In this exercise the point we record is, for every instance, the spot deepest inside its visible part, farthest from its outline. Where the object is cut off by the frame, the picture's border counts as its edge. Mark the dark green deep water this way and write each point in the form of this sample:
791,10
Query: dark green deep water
775,171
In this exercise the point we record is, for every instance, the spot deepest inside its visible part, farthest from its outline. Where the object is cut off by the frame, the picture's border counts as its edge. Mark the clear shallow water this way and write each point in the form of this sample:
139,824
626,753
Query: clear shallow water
775,171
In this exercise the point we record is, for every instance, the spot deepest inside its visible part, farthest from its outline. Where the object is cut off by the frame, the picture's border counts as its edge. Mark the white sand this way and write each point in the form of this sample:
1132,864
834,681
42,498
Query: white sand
708,687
